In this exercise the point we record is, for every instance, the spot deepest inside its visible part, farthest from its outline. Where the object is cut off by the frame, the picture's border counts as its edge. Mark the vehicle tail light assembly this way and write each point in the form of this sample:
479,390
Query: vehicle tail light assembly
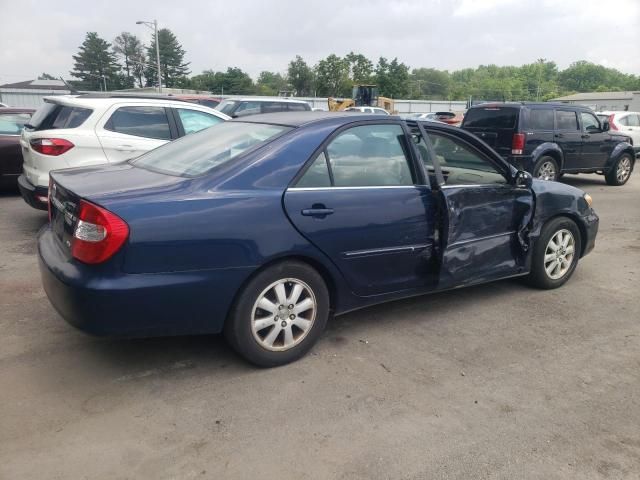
517,144
612,123
51,146
98,235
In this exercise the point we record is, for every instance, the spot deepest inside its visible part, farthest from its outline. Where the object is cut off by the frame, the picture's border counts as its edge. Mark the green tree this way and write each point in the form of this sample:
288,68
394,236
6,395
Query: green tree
392,78
332,76
130,52
270,83
95,64
232,82
172,64
360,68
46,76
429,83
300,76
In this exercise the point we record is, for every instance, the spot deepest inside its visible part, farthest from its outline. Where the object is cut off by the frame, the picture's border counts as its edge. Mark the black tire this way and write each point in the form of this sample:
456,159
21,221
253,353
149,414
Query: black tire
612,176
542,166
538,277
239,330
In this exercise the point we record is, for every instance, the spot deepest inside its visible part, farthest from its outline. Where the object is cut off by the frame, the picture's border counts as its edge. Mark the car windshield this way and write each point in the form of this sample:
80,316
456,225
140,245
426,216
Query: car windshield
226,106
198,153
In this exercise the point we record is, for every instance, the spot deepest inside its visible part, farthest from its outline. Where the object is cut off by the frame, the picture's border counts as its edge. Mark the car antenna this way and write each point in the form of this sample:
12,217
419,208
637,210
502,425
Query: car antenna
71,88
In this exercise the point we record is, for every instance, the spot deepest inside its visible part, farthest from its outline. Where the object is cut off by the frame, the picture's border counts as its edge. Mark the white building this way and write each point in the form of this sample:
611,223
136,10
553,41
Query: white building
29,94
599,101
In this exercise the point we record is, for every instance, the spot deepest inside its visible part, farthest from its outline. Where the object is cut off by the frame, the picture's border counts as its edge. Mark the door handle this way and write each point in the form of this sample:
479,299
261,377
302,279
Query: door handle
319,211
559,135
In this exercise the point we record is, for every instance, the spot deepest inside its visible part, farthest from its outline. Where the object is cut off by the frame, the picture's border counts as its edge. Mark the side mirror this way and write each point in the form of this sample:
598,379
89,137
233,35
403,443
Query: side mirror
605,126
523,179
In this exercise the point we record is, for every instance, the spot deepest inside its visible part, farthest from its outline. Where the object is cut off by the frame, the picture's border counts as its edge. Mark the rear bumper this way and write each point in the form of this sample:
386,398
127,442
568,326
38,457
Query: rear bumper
33,195
103,302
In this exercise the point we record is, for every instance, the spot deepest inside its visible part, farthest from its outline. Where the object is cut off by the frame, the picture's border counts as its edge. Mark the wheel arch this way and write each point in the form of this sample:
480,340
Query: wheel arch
618,151
579,223
551,150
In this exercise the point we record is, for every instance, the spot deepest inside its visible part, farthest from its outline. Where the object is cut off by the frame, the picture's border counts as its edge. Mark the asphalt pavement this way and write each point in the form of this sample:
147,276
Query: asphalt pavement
499,381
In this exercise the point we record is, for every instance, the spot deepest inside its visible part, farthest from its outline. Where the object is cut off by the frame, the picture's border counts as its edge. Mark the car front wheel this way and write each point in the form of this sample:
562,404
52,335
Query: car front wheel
279,315
621,170
555,254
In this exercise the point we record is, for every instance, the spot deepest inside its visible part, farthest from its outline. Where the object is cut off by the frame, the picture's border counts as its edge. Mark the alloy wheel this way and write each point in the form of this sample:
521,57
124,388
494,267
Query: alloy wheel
559,254
283,314
547,171
624,169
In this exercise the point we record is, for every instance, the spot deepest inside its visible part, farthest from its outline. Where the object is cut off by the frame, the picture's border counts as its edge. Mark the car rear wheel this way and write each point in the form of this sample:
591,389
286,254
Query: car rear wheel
621,170
279,315
546,168
555,254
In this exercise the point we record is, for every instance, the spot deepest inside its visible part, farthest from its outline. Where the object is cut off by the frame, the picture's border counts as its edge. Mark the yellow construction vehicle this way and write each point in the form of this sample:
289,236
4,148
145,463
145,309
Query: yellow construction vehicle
362,96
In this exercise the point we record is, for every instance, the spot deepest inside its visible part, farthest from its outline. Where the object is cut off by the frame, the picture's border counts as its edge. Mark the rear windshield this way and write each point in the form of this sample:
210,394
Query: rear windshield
52,116
491,117
226,106
198,153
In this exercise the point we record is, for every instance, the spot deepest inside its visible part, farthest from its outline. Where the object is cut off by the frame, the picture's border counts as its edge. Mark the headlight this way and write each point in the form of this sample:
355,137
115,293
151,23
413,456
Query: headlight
588,199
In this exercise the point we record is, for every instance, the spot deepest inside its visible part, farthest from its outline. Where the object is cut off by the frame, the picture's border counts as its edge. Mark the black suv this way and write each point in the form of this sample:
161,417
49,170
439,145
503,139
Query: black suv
550,139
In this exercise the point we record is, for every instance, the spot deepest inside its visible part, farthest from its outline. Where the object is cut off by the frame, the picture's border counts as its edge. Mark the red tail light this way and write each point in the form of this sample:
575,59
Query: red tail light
611,123
517,144
98,235
51,146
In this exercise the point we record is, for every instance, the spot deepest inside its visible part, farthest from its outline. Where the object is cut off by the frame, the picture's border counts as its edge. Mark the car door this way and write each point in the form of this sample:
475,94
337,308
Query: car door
127,132
486,214
361,203
596,143
568,136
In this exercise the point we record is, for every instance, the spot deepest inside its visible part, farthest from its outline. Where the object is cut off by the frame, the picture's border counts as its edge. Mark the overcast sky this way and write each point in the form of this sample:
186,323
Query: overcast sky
38,36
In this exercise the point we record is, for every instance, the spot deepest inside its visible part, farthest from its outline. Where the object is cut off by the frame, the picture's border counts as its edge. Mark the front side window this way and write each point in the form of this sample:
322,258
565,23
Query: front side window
461,164
370,155
247,108
148,122
227,106
194,120
566,120
589,122
200,152
12,123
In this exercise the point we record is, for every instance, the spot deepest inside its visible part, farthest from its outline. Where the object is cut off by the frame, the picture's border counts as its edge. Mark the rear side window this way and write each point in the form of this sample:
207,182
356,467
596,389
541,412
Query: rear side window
273,107
148,122
566,120
12,123
631,121
52,116
247,108
194,120
491,117
540,119
317,175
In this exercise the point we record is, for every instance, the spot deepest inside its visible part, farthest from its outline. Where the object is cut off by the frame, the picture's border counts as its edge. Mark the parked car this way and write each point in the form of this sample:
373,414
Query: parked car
12,121
207,101
73,131
627,123
550,139
374,110
241,107
262,227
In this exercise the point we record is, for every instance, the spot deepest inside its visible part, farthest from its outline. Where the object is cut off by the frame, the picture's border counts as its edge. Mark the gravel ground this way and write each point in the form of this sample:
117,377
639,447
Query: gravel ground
496,381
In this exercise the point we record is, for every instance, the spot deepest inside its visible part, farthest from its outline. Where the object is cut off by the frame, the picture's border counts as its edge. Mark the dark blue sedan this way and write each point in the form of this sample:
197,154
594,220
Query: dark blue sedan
266,226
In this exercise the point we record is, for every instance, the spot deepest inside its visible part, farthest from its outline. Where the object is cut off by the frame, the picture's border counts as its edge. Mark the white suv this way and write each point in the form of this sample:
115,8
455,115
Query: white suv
80,130
625,122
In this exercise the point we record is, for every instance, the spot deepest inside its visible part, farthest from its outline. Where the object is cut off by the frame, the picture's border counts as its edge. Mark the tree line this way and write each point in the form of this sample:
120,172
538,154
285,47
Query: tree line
128,63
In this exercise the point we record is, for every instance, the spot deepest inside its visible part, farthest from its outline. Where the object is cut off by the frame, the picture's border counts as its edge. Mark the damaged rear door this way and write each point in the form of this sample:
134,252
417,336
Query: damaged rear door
484,216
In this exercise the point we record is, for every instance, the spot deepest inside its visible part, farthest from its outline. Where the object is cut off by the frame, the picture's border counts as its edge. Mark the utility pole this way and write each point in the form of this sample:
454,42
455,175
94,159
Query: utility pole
154,26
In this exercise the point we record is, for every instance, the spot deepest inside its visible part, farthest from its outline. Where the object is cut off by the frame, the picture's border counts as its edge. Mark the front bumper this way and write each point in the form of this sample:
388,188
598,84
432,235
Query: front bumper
101,301
590,223
33,195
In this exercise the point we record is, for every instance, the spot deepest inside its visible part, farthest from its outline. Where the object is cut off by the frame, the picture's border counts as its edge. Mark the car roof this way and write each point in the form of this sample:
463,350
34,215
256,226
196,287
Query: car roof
528,104
92,100
265,99
616,112
299,119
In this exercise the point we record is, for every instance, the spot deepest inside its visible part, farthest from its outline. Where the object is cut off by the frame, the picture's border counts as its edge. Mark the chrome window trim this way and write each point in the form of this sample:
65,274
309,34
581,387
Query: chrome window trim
303,189
488,237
